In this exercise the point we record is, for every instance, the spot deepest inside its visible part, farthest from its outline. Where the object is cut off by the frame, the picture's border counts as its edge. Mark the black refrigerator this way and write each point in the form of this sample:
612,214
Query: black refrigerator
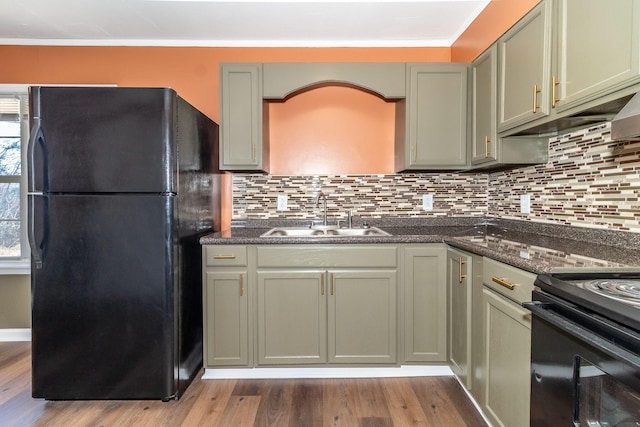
122,183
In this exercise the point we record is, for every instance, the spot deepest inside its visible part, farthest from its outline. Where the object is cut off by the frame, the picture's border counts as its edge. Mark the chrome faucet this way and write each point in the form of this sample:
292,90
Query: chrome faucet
324,209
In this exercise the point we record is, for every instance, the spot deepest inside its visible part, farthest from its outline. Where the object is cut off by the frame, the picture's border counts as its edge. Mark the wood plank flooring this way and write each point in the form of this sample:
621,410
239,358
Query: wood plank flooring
370,402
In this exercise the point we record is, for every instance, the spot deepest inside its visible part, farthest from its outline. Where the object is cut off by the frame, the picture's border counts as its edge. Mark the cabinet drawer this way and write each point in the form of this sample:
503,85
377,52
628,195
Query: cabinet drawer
225,255
327,256
509,281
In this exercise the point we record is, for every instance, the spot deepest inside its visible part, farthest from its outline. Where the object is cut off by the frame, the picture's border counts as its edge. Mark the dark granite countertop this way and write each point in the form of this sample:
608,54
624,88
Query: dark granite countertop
538,248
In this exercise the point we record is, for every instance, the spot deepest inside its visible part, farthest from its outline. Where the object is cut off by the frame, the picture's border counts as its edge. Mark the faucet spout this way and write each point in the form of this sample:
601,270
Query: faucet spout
324,208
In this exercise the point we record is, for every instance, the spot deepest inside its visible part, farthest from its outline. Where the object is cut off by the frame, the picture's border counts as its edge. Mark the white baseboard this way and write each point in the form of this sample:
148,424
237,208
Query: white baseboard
373,372
17,334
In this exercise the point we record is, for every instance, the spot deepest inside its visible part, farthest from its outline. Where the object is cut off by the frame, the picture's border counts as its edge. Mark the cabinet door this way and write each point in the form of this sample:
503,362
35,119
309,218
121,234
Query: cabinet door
362,316
524,68
459,290
597,48
292,317
425,304
436,118
241,118
508,361
484,97
227,333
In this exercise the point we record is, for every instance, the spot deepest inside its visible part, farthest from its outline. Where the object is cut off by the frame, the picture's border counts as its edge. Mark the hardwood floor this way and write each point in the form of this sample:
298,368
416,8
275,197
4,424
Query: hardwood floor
371,402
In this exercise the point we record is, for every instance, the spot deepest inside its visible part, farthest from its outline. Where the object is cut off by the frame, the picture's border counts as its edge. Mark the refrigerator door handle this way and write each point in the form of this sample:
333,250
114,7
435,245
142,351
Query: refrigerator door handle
36,137
36,249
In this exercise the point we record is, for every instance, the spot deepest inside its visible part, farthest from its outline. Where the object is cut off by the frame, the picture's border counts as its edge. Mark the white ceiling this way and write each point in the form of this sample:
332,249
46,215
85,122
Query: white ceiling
236,23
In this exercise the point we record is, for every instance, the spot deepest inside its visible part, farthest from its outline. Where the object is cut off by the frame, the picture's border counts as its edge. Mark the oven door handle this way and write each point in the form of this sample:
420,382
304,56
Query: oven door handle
544,311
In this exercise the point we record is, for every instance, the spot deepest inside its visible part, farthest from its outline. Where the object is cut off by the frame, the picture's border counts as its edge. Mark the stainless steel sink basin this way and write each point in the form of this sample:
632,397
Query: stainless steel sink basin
324,232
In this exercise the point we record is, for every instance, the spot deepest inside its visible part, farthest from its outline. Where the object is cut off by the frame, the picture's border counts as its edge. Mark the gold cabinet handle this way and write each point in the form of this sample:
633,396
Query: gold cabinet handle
331,283
554,98
414,153
487,153
241,286
503,282
322,284
536,91
253,152
224,257
461,276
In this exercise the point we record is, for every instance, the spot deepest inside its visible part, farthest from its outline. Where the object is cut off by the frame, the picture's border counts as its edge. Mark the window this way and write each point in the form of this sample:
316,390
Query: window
13,136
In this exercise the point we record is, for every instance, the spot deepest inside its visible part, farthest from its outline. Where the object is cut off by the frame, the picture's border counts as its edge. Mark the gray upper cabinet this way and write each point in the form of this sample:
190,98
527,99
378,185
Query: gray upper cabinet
488,150
567,58
524,61
242,124
597,49
434,114
484,74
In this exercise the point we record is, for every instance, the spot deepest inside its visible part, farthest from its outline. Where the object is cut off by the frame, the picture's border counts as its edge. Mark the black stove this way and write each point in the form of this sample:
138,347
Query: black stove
613,295
585,349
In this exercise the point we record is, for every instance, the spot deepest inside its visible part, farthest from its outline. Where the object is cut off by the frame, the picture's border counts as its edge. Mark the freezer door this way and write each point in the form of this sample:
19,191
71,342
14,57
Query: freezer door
103,298
101,140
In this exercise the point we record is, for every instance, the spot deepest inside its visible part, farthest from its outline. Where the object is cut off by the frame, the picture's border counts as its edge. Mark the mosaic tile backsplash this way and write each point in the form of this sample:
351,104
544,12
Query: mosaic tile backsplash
589,181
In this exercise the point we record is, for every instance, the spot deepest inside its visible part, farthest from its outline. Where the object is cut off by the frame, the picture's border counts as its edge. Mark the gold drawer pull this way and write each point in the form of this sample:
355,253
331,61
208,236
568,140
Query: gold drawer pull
503,282
536,91
487,153
224,257
461,276
554,90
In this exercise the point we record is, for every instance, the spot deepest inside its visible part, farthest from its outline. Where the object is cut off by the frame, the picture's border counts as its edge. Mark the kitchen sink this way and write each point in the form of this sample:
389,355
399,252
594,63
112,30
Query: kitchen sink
324,232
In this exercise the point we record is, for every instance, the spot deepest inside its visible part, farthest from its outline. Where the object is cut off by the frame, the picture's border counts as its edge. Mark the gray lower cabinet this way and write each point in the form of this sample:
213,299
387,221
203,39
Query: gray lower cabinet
434,115
326,304
506,344
362,316
425,303
227,319
292,316
459,287
508,353
334,316
226,306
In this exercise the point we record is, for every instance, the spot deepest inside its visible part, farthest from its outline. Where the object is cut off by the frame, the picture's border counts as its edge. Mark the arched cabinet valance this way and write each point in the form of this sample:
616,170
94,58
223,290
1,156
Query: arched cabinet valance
285,78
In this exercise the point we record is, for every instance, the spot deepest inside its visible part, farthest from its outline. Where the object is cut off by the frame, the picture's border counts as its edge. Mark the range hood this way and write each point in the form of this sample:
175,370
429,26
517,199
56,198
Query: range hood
626,124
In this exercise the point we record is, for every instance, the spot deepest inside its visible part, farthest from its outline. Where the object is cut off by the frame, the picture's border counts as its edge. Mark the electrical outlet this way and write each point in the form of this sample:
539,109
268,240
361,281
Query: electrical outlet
282,202
525,204
427,202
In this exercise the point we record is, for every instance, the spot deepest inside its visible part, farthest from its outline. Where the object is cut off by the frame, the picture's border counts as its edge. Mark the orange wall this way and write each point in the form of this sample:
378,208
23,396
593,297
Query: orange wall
495,19
332,130
193,73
